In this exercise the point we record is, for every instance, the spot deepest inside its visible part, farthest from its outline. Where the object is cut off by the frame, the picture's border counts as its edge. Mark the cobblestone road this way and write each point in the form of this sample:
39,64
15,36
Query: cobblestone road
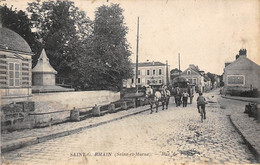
167,137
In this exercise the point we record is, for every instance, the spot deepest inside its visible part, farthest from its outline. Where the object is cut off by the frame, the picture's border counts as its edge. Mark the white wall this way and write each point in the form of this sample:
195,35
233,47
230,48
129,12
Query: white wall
49,102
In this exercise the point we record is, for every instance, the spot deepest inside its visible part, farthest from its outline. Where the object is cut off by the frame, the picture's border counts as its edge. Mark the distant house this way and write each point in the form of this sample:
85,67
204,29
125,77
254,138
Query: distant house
15,67
241,74
149,73
195,77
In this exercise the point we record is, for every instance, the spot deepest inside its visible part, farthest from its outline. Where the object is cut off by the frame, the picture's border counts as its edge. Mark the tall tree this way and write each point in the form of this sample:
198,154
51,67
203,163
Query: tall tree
212,77
63,29
110,47
19,22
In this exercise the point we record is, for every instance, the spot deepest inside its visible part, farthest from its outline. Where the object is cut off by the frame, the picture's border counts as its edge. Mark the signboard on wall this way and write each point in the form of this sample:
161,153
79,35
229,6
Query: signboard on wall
236,79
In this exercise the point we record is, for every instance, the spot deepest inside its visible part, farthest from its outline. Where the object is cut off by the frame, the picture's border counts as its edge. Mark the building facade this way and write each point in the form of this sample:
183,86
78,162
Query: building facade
149,73
241,74
15,67
194,76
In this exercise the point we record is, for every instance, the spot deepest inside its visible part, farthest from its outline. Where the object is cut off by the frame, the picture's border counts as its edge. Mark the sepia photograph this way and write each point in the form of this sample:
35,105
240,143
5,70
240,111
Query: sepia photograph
130,82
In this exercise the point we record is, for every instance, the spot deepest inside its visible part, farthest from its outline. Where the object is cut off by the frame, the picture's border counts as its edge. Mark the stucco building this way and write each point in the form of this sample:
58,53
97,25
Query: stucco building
149,73
194,76
15,67
242,74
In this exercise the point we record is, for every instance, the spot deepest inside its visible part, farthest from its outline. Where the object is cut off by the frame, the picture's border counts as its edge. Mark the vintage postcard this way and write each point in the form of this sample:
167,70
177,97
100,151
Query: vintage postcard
130,82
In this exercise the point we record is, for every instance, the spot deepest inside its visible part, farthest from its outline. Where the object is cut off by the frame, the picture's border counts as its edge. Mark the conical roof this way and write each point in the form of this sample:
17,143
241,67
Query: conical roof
43,65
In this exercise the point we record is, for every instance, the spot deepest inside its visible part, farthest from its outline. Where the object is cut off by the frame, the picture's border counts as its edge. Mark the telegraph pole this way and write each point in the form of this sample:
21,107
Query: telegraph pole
136,69
179,65
167,74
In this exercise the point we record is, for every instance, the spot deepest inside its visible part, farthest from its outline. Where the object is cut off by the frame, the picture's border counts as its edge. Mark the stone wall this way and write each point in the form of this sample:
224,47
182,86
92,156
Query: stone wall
16,116
50,102
51,108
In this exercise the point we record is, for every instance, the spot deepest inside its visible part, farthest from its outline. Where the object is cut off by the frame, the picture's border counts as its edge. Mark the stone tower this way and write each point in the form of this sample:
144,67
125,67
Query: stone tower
43,72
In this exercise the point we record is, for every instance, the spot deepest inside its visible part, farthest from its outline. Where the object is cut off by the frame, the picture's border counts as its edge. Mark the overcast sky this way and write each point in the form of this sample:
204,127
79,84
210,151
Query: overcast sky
205,33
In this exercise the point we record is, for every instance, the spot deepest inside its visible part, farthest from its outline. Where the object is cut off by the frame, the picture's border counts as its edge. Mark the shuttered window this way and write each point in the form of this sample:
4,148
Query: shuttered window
14,74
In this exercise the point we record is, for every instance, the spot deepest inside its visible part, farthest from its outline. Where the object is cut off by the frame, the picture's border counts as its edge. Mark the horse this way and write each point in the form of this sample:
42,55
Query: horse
165,98
153,98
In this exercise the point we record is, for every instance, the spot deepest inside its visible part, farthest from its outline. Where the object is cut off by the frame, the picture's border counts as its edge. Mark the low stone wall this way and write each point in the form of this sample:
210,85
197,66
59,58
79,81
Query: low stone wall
16,116
51,108
50,102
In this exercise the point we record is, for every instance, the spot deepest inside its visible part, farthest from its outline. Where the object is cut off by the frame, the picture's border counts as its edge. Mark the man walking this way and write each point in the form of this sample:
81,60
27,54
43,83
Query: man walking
185,96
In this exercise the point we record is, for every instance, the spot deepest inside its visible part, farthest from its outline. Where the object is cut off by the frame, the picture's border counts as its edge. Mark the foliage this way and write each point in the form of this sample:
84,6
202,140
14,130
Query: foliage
110,48
92,54
248,93
212,77
63,29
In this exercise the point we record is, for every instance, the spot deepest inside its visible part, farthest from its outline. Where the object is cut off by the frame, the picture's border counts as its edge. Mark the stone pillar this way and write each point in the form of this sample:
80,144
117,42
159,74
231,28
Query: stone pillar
111,108
96,110
124,105
74,115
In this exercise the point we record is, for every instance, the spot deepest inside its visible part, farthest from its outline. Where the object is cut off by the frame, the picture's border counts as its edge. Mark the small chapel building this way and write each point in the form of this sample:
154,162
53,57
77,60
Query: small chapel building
15,67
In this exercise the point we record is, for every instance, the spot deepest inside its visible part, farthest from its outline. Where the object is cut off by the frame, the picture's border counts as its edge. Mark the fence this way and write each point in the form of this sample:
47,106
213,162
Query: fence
44,119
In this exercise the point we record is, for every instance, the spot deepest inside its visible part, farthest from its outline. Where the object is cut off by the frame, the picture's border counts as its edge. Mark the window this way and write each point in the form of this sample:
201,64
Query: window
188,72
235,79
148,72
160,71
160,81
14,74
190,80
132,80
139,81
153,72
194,81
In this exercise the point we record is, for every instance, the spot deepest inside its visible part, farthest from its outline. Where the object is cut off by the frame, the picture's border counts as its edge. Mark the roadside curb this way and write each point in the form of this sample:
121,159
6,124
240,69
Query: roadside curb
238,99
35,140
249,142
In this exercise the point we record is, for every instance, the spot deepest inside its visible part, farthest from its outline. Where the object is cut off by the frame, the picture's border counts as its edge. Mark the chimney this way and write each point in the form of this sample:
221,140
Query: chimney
237,56
227,63
242,53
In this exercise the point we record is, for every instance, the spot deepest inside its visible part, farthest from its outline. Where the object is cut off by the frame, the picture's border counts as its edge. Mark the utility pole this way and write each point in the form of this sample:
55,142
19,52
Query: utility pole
136,69
179,65
167,74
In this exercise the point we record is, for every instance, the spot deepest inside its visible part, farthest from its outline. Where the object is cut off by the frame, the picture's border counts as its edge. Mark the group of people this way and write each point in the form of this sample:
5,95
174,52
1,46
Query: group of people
181,96
154,96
